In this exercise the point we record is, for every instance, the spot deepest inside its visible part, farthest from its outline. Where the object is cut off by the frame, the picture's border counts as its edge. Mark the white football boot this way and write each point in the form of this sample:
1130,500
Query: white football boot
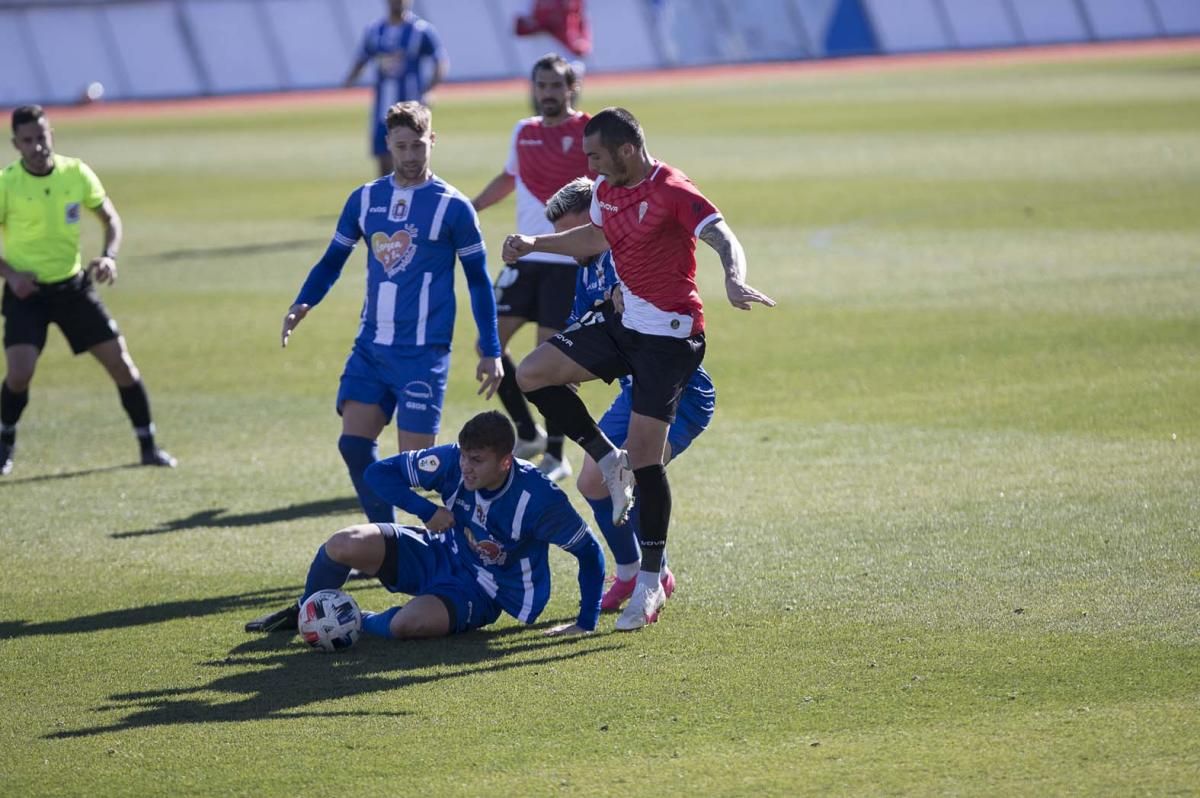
643,607
527,449
556,470
618,478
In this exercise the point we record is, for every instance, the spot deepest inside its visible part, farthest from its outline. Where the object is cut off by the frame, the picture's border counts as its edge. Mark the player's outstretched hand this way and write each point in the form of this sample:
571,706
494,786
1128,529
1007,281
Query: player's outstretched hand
488,374
103,269
295,315
442,520
516,246
741,295
566,630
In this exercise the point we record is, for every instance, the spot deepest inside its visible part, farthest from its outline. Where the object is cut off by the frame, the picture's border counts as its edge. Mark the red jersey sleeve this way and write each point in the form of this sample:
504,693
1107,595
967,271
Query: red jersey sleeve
692,209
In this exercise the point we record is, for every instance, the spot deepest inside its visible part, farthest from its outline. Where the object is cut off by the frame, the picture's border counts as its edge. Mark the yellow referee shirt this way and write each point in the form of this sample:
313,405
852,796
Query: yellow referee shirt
40,216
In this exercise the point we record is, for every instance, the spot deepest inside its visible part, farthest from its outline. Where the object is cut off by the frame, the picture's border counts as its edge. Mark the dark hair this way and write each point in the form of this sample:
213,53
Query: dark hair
411,115
574,197
489,430
616,126
555,63
26,114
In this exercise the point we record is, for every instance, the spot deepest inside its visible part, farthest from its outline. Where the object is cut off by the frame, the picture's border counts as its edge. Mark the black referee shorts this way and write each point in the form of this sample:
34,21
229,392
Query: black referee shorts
73,304
659,364
539,291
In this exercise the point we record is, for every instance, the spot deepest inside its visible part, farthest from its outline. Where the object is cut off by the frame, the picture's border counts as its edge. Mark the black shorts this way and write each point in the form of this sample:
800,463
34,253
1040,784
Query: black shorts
539,291
659,364
73,304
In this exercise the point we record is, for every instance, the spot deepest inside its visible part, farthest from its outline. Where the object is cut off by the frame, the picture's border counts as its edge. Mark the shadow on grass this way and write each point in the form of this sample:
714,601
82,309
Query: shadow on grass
239,250
215,518
275,677
83,472
153,613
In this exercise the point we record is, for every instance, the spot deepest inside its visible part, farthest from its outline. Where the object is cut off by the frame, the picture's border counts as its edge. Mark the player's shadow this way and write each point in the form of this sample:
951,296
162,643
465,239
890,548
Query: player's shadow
275,677
202,253
217,517
150,614
83,472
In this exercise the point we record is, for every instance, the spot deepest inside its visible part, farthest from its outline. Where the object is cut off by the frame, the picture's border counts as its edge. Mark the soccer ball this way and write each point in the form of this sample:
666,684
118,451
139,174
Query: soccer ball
330,620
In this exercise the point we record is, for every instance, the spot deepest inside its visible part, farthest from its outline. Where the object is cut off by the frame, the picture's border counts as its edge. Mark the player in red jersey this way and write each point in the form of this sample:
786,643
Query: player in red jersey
546,154
650,215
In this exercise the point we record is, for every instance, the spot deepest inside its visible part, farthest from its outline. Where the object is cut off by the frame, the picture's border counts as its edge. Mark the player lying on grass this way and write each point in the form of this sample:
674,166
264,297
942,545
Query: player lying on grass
482,552
596,293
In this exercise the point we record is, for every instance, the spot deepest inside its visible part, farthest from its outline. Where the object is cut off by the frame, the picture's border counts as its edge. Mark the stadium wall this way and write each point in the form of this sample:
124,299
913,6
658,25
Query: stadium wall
51,50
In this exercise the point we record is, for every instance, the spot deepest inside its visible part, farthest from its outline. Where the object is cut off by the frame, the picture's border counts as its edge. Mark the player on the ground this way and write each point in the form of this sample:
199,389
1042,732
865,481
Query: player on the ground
546,152
42,196
597,294
483,551
415,224
409,61
650,215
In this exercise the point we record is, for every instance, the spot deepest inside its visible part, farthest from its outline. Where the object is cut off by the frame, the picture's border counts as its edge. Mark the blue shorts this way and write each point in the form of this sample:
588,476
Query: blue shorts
695,410
420,564
408,381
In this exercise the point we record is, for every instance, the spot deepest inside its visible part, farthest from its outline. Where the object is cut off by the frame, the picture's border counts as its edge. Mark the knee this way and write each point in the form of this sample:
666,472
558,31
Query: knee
590,482
18,379
344,546
529,376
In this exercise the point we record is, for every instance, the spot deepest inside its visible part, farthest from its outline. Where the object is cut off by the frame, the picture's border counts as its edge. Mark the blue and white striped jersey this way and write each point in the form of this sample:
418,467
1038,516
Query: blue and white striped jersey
403,57
502,537
413,236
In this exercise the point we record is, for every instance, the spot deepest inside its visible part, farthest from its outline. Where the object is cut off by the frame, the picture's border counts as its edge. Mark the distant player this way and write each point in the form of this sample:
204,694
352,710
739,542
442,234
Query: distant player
650,215
597,294
483,550
546,152
415,225
409,61
42,197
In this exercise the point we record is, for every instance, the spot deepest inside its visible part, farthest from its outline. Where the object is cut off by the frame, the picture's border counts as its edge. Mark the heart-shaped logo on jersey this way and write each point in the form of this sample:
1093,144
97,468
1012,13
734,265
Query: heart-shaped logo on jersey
393,252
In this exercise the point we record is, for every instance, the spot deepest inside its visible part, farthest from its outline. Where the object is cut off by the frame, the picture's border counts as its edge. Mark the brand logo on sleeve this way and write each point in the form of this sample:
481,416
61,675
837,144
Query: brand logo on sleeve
429,463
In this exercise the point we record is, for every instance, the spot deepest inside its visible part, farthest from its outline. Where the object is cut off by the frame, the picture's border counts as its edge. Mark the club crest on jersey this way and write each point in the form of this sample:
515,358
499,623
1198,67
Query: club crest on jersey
567,141
429,463
72,213
642,207
398,211
487,550
396,251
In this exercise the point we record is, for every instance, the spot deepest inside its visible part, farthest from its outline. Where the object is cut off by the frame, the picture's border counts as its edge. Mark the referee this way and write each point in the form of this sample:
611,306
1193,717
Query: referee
42,196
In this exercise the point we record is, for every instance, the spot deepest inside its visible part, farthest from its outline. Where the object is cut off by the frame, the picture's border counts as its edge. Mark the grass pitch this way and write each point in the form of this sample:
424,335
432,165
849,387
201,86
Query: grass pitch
941,537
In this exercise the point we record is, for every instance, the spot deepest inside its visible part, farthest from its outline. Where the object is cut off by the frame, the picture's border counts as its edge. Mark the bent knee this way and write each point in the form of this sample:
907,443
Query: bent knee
529,376
591,482
347,545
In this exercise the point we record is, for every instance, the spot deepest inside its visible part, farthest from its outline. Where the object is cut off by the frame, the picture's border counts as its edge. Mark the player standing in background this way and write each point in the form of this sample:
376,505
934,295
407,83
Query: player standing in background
41,198
597,295
650,215
545,154
483,551
414,224
409,62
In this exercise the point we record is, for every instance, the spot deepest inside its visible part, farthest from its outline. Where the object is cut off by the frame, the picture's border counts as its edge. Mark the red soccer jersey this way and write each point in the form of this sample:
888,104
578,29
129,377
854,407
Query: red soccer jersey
547,158
652,228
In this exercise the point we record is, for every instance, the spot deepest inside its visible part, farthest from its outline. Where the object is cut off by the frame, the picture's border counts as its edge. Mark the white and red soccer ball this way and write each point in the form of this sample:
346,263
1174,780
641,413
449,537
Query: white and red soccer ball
330,620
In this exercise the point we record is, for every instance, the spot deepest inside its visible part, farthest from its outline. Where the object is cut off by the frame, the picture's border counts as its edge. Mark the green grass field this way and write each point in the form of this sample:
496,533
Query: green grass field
941,538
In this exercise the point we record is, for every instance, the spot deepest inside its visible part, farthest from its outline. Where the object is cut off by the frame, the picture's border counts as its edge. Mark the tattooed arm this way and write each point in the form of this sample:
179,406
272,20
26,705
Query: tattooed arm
733,260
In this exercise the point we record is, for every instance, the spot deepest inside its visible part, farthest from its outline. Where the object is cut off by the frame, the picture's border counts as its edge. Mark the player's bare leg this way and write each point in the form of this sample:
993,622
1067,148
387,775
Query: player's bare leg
422,616
646,443
21,361
114,355
543,375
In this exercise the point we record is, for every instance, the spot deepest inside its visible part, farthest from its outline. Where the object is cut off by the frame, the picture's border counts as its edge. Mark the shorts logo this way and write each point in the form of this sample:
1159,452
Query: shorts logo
396,251
411,405
429,463
567,141
72,213
566,341
642,210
